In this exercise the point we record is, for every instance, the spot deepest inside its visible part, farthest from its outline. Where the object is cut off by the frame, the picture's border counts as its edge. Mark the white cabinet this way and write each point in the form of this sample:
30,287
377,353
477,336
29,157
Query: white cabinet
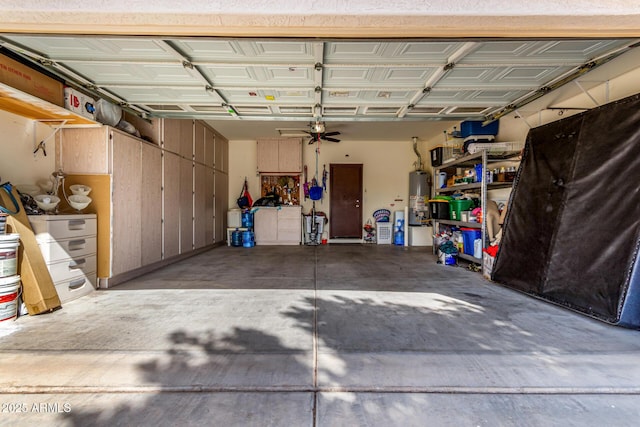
280,155
278,226
68,244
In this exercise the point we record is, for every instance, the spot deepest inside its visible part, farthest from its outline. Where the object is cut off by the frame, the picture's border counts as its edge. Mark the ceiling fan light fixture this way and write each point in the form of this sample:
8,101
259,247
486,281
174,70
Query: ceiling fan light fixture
317,127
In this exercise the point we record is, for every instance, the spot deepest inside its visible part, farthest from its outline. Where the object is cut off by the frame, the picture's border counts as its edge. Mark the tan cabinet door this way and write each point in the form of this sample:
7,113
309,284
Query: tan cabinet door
186,206
265,224
151,204
289,225
127,206
268,155
290,155
200,196
82,151
199,131
171,198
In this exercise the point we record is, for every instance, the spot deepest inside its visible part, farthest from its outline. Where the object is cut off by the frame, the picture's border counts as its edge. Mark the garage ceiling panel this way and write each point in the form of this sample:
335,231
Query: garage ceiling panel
134,74
306,79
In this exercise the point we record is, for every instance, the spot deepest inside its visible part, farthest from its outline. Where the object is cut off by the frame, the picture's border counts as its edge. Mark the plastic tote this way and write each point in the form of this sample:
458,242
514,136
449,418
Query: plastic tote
456,206
469,236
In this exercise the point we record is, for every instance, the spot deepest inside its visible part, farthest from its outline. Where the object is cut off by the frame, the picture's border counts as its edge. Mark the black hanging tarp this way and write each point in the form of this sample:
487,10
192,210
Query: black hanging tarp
572,231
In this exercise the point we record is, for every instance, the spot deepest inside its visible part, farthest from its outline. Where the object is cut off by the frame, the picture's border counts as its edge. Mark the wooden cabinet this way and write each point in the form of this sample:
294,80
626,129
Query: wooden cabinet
280,155
221,201
151,209
290,155
199,202
265,223
278,226
177,136
199,131
210,216
152,204
186,205
210,148
126,236
84,150
289,225
171,210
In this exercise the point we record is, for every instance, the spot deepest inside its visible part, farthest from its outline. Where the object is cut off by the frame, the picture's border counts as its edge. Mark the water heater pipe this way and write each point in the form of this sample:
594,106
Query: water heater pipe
415,149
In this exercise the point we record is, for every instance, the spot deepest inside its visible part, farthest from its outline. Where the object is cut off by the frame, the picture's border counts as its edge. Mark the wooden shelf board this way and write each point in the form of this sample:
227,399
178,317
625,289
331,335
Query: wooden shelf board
23,104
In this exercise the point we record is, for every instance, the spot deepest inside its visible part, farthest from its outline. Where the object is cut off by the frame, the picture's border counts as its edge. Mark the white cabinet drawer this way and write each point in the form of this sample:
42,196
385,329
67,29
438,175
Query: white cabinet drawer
67,248
54,227
76,287
69,268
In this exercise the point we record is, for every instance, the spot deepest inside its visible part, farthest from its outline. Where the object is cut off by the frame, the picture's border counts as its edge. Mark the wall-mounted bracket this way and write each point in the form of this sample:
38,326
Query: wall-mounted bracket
41,145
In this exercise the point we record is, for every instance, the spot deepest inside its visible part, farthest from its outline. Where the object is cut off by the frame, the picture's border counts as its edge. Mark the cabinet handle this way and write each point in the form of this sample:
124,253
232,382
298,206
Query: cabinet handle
77,264
77,224
76,245
77,284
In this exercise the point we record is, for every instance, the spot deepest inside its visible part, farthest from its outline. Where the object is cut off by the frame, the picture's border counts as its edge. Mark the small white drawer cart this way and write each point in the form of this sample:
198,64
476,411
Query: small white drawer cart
69,246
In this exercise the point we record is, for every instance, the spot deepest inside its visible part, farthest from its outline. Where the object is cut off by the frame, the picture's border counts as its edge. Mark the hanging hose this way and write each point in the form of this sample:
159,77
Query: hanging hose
8,188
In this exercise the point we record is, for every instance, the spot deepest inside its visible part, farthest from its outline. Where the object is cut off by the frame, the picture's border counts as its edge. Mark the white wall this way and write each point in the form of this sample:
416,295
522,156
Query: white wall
386,168
18,138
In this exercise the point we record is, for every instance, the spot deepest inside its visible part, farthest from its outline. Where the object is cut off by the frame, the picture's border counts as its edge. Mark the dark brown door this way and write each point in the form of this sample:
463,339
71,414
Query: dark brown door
345,219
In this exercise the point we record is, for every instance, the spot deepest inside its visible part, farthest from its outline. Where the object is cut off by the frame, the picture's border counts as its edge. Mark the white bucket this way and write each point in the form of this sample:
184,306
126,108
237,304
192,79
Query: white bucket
9,244
3,223
9,292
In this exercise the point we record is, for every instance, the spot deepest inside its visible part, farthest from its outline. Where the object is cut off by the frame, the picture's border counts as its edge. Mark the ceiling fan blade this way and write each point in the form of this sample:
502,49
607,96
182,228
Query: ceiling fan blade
326,138
332,133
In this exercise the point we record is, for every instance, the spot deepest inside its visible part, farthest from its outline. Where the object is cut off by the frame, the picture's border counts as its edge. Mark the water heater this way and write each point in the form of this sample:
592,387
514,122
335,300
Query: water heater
419,195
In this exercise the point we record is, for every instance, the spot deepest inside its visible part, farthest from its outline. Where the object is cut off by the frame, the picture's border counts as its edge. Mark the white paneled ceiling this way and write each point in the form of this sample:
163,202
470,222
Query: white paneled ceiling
310,79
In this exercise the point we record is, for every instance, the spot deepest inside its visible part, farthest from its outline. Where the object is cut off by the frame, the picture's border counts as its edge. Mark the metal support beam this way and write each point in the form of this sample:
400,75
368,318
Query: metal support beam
192,69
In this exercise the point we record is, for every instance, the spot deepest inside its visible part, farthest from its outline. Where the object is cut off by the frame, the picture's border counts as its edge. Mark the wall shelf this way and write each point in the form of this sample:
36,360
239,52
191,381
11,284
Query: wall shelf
29,106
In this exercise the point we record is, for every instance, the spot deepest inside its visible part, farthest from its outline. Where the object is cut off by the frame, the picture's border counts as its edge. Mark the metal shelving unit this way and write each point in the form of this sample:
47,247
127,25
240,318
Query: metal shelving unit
469,161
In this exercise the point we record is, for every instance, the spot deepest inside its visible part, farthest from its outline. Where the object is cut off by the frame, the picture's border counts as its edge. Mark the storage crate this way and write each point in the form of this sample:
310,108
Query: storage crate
384,233
475,127
447,153
436,156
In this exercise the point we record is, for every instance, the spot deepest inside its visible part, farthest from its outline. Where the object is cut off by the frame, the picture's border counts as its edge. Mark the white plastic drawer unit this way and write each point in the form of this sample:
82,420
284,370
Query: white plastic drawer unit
67,248
76,287
74,267
53,227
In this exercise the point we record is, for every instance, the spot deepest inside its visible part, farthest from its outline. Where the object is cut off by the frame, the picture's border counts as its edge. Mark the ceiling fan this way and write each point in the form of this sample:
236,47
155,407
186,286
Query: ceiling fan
318,132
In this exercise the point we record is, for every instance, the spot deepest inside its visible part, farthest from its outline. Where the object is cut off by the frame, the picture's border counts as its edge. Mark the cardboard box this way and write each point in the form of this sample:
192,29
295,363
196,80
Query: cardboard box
31,81
79,103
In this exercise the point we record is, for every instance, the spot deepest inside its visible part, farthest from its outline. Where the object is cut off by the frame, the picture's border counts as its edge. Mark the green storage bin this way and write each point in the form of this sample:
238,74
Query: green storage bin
456,206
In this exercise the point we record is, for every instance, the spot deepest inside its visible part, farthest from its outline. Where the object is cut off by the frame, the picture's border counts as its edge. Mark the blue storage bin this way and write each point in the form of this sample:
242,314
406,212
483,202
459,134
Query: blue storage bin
469,235
474,127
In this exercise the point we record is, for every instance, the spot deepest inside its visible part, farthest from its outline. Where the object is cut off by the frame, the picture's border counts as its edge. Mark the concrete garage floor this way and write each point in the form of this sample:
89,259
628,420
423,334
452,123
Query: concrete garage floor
338,335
